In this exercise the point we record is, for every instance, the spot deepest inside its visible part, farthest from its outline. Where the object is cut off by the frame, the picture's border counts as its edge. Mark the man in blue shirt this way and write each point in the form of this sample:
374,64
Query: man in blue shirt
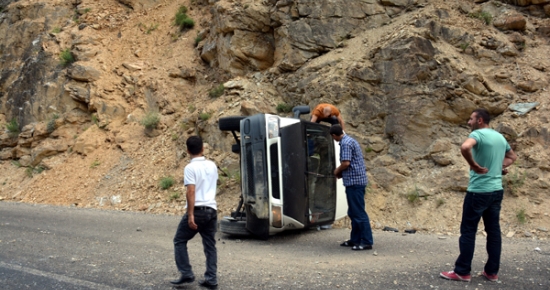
354,173
488,154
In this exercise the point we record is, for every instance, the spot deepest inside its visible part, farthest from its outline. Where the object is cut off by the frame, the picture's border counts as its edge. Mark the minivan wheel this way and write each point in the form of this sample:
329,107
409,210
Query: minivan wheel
232,123
234,227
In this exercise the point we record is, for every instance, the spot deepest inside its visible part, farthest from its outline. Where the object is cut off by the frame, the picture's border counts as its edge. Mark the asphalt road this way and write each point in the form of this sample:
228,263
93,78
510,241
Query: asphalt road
48,247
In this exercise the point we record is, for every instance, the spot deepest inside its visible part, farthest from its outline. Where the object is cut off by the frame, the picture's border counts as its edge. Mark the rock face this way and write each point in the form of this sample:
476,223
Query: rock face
405,74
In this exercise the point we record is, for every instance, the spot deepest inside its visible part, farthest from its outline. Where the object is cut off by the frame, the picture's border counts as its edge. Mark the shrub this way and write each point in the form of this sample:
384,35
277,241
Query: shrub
191,108
368,150
174,195
521,216
485,16
151,120
216,91
464,46
198,39
50,126
182,20
66,57
284,108
95,164
204,116
514,180
13,128
95,119
56,30
166,182
413,196
440,202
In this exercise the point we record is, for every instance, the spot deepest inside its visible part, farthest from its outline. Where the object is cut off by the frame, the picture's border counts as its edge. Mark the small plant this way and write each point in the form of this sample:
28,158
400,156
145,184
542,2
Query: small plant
56,30
166,182
86,10
198,39
520,215
284,108
13,128
95,120
485,16
414,196
514,180
175,136
66,57
50,127
440,202
151,120
95,164
464,46
204,116
182,20
151,28
521,45
16,163
28,171
216,91
174,195
191,108
368,150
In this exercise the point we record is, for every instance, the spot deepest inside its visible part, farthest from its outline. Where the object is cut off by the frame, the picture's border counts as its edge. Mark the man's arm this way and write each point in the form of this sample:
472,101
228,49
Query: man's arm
509,158
466,150
341,121
313,118
191,206
343,166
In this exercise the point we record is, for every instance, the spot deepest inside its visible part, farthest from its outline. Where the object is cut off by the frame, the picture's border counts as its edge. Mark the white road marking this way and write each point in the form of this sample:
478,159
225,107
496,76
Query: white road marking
57,277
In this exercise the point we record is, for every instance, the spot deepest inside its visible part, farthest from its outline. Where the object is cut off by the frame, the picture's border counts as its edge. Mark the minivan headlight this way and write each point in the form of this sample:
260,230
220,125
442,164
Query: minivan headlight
272,127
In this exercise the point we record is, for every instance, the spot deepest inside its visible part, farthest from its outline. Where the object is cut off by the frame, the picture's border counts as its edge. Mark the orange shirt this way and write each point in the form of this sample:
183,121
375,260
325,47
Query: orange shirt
318,111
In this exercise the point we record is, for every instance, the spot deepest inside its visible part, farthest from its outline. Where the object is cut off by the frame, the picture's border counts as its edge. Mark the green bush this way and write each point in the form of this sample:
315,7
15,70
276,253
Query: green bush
182,20
198,39
50,126
166,182
151,120
521,216
66,57
284,108
204,116
217,91
485,16
13,128
56,30
95,164
174,195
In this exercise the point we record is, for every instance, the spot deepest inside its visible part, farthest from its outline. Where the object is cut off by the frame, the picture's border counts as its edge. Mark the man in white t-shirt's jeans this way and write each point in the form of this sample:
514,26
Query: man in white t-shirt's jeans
200,177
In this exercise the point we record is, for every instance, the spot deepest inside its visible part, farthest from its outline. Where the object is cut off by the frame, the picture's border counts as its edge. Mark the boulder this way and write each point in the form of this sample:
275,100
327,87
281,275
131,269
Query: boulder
83,73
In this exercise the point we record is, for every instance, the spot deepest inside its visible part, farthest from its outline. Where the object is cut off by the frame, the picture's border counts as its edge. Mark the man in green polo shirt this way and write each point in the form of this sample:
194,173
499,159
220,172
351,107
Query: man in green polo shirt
488,154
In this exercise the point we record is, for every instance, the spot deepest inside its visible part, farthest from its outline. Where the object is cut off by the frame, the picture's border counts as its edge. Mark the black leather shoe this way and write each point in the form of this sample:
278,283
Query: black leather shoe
183,279
207,284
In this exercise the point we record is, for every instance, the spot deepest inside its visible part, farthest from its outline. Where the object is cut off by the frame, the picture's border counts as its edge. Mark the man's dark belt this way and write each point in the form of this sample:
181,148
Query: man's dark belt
203,208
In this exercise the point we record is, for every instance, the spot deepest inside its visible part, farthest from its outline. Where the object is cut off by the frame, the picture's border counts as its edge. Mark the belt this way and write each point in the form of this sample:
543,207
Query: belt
203,208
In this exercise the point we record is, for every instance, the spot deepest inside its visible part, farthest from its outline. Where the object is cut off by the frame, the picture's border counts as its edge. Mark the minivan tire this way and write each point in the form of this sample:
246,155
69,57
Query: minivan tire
232,123
234,227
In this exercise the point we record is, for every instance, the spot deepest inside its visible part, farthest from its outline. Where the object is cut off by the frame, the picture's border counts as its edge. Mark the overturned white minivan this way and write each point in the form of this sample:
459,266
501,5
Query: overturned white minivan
287,179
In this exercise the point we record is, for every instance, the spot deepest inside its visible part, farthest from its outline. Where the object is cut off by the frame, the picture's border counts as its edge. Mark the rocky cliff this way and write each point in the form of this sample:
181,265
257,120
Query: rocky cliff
98,97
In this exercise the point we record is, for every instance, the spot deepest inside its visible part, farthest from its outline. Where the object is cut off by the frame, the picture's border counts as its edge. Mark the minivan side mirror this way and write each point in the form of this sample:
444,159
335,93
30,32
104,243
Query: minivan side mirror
300,110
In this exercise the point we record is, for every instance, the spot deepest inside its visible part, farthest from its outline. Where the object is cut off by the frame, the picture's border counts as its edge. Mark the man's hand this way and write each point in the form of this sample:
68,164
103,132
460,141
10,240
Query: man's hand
478,169
504,171
191,222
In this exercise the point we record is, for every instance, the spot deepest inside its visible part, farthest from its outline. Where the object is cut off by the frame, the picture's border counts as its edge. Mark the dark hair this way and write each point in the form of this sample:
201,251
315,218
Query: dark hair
194,145
336,130
483,114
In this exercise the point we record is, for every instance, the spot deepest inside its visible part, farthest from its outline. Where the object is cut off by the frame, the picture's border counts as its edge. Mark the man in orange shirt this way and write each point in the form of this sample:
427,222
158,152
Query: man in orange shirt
327,113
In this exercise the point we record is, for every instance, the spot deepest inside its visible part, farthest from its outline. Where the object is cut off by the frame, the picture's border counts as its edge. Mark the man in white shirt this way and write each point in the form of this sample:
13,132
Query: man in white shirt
200,178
